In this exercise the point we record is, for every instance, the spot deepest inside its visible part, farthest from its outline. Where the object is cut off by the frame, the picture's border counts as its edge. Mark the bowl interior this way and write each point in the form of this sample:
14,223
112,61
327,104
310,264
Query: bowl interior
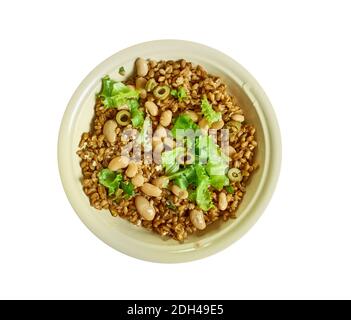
118,232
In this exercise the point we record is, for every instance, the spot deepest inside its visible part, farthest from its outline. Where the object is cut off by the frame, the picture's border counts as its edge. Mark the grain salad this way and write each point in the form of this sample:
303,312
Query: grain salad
169,149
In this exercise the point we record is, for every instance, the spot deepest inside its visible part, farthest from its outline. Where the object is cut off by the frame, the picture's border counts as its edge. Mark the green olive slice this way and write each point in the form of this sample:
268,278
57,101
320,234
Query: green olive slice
150,85
161,92
123,117
234,174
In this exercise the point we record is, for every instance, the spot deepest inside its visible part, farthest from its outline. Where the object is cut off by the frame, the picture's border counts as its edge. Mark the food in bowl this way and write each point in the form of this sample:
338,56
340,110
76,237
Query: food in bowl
169,149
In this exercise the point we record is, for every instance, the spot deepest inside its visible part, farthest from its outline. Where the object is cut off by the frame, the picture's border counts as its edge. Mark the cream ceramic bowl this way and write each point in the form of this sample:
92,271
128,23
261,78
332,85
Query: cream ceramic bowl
135,241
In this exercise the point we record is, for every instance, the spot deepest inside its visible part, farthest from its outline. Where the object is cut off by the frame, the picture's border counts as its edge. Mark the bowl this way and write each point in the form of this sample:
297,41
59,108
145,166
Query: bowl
136,241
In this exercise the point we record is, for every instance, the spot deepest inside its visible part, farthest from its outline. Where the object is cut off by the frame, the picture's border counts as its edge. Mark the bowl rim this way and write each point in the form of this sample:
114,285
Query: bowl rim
183,252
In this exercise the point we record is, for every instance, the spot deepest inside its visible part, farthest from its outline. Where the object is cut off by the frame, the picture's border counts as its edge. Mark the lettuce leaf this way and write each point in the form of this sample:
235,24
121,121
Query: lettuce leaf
202,194
209,169
183,122
169,160
115,94
210,115
201,176
195,176
219,182
113,180
192,195
218,162
137,116
185,177
217,165
110,179
182,182
209,154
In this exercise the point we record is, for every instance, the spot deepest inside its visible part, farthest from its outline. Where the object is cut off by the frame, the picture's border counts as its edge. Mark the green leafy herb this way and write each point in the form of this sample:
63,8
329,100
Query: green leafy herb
229,189
207,110
170,205
122,71
110,179
128,188
179,94
183,122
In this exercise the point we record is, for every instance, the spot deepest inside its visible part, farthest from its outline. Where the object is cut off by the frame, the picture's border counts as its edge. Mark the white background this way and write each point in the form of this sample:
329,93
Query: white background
299,51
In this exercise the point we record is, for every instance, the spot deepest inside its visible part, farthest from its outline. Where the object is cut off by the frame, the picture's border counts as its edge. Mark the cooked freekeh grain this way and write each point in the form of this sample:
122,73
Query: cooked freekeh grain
172,216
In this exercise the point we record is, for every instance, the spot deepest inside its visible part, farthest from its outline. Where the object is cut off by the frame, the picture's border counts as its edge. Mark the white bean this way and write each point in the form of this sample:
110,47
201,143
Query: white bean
197,219
109,130
222,201
160,132
132,170
217,125
157,152
118,163
179,192
138,180
140,83
169,143
156,141
152,108
141,67
166,118
193,115
151,190
161,182
144,208
203,124
143,94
